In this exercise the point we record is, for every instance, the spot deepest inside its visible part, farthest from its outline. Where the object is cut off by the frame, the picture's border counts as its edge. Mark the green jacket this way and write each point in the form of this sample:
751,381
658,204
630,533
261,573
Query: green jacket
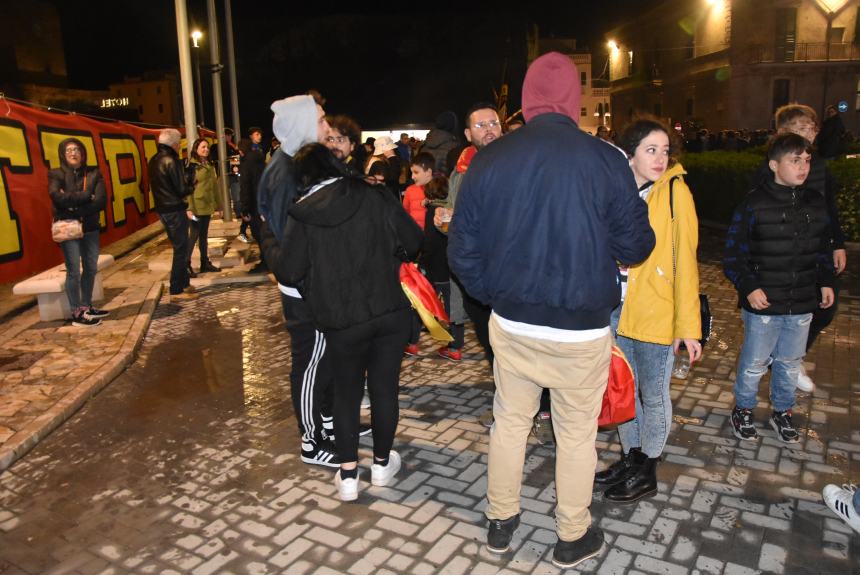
204,200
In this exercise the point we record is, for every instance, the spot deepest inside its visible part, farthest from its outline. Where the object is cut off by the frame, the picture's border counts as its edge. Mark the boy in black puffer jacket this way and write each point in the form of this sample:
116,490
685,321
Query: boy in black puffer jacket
778,257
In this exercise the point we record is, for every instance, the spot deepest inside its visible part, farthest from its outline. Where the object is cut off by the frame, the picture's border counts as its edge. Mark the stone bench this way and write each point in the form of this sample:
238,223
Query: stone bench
49,287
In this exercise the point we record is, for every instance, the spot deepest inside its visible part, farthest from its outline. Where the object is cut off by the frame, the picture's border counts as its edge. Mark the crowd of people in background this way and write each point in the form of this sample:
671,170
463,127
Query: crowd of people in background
553,242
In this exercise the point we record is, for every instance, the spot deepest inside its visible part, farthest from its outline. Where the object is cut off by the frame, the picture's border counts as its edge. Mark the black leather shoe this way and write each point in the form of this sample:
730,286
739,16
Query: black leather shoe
209,267
191,273
640,484
501,532
615,473
569,553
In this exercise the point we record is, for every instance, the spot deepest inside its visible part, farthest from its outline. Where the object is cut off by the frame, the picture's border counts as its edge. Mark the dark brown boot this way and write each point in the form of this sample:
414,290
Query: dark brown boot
641,483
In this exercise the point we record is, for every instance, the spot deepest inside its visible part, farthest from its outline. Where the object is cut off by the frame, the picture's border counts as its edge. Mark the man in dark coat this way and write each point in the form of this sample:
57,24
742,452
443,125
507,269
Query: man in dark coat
169,187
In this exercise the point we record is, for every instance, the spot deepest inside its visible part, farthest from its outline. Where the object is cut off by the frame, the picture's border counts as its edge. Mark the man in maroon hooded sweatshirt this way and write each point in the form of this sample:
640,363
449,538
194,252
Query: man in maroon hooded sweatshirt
542,217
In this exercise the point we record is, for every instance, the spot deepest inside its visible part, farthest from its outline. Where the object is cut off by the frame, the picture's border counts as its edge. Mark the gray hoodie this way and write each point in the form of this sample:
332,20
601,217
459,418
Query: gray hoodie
295,122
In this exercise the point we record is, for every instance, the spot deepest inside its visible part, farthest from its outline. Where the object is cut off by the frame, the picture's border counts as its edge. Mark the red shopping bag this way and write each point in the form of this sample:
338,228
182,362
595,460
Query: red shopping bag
618,399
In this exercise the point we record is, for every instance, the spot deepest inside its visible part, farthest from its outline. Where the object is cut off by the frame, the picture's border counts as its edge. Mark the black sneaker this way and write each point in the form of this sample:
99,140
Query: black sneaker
81,320
742,424
780,421
569,553
322,453
501,532
93,312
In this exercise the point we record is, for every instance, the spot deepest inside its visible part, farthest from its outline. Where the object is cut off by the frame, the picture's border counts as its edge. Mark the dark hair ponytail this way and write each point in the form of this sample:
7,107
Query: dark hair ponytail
314,164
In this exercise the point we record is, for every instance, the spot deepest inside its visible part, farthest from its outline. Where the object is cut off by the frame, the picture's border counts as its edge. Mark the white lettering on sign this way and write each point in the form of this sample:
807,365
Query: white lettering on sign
114,102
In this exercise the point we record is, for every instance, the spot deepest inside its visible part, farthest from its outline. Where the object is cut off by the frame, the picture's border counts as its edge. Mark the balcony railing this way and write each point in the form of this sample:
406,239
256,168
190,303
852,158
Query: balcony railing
801,52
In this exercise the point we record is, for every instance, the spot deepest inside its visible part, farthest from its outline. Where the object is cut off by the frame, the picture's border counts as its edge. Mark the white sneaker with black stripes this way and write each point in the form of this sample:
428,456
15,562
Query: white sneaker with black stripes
322,453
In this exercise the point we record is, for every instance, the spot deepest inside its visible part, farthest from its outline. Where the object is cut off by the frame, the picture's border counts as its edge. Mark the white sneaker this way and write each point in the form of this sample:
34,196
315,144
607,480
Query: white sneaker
804,382
840,500
381,475
347,488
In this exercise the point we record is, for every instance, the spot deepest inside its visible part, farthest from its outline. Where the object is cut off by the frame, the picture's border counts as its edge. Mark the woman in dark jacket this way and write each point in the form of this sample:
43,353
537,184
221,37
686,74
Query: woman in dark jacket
78,193
347,240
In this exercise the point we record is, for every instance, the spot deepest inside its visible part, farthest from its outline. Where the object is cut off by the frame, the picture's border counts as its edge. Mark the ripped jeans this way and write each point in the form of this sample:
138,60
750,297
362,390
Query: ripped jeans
779,340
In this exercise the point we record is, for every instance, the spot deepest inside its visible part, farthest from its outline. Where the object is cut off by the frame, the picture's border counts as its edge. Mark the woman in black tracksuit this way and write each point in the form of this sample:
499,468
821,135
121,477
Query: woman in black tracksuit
347,240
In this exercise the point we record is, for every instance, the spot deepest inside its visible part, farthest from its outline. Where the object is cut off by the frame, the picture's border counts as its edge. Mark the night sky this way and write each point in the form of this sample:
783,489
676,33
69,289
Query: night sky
400,65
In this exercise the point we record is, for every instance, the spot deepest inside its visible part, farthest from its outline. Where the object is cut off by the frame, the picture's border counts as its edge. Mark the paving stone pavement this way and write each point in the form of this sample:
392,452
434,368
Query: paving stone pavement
188,463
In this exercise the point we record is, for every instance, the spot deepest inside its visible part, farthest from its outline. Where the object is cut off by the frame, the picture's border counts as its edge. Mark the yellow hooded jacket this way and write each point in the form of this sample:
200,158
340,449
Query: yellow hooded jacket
662,305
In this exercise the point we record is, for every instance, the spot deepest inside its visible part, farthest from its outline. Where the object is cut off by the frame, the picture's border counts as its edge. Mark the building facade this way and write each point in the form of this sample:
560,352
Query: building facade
728,64
155,98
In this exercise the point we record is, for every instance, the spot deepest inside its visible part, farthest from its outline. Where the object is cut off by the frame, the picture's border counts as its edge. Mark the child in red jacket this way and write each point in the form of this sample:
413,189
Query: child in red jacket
413,199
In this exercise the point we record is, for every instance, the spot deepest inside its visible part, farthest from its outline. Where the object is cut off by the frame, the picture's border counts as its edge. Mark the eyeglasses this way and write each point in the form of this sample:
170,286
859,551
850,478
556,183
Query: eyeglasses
73,150
338,139
487,124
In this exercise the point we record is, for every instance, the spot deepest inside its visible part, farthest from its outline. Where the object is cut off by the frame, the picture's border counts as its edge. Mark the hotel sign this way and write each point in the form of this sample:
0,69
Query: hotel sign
114,102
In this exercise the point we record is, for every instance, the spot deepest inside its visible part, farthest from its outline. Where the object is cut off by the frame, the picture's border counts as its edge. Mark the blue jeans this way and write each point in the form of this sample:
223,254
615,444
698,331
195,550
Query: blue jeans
176,226
79,286
652,372
771,339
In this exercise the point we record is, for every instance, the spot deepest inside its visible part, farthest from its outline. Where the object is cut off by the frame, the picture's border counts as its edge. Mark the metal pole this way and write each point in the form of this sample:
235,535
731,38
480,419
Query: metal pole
199,86
215,56
185,72
231,61
830,17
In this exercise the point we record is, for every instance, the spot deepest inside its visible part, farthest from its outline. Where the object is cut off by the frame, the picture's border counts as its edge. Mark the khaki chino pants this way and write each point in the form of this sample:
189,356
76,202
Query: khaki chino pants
576,375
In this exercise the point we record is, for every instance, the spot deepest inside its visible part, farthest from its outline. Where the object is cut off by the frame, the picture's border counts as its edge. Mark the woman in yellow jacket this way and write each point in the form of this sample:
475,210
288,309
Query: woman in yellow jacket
659,309
203,203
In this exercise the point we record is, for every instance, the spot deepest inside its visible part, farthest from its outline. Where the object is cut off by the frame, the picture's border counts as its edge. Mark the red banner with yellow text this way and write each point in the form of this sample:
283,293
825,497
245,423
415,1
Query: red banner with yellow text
29,140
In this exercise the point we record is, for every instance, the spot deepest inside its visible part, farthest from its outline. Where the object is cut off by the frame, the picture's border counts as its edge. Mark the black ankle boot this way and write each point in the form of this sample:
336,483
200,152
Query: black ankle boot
615,473
191,273
642,482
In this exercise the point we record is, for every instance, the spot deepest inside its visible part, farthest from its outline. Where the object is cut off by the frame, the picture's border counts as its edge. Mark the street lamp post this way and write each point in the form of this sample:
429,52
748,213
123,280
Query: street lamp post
196,35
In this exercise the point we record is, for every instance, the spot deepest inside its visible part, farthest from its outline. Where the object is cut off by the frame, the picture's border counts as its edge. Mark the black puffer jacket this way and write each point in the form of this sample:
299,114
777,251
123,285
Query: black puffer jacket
779,241
77,193
821,180
346,243
167,181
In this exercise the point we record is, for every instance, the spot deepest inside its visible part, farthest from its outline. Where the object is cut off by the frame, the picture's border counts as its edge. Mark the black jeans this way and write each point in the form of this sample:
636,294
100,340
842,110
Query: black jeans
310,374
176,226
199,233
376,347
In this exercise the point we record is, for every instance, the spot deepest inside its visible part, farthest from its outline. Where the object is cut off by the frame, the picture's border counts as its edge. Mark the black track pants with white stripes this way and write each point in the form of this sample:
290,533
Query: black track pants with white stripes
311,374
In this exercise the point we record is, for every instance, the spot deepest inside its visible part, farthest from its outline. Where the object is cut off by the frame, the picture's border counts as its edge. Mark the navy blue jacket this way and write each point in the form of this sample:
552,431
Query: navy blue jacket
543,215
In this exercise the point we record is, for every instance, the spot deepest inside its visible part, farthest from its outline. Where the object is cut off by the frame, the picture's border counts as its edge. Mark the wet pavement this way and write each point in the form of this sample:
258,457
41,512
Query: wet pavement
188,463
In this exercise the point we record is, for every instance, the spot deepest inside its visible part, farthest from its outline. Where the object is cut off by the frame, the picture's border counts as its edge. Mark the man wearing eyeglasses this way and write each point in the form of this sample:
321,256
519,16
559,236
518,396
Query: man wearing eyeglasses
344,136
482,128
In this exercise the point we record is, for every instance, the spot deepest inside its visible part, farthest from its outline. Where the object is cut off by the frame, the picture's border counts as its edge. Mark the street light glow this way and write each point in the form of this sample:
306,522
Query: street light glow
612,45
195,37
